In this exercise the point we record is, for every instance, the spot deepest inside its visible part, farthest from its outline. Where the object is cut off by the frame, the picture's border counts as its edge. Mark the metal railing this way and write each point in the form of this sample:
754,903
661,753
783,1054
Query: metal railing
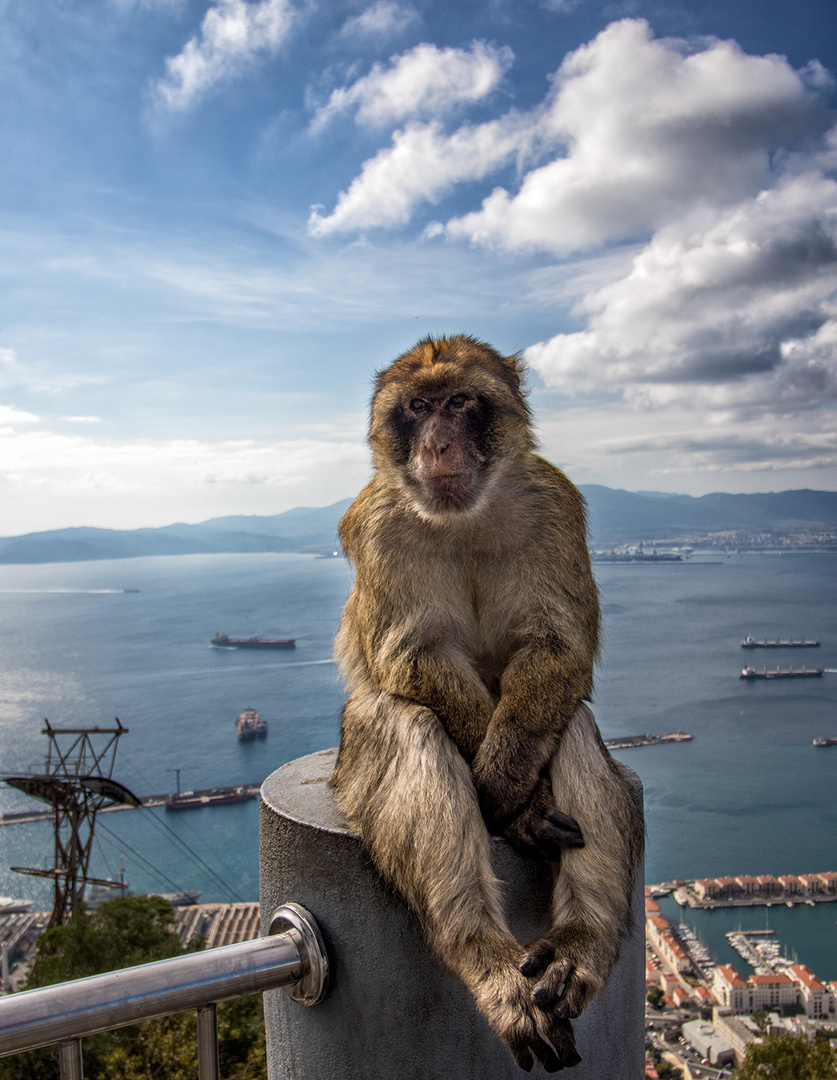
292,957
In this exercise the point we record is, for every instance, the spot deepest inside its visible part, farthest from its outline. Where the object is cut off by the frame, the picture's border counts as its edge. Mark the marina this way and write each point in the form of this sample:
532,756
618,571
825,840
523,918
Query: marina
759,948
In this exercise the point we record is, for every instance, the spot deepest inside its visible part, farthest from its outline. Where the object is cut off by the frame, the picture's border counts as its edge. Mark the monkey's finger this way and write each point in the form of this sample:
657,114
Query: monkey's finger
519,1046
552,838
550,991
559,1034
574,996
568,827
539,955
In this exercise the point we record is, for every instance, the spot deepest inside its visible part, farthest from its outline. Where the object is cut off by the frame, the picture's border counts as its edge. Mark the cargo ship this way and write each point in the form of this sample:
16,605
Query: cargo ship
782,673
196,800
627,741
751,643
249,725
224,641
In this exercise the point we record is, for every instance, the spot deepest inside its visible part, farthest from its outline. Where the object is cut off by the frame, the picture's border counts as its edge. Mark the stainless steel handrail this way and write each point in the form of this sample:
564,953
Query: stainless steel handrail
292,957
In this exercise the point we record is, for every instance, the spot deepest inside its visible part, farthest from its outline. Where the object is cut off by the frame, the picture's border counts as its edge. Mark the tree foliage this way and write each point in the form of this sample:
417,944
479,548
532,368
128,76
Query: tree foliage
789,1057
120,934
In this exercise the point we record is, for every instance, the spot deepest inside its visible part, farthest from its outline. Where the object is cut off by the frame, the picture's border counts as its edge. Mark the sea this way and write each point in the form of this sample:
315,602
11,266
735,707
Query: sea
84,643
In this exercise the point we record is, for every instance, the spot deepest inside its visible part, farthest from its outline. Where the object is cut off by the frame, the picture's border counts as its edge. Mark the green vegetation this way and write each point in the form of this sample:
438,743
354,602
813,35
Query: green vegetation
119,934
789,1057
654,997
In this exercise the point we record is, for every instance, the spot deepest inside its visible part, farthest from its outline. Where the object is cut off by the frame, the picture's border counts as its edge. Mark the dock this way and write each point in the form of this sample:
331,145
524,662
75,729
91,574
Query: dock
207,797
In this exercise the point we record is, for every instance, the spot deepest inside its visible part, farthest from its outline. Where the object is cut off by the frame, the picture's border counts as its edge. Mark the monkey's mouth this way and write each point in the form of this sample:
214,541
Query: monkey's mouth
448,491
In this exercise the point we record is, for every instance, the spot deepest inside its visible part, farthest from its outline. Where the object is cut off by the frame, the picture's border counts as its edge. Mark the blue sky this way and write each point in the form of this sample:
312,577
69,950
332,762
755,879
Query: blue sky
219,219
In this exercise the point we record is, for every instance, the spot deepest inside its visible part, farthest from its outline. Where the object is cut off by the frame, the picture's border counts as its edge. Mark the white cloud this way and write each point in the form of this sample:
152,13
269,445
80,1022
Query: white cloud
155,482
642,130
422,165
426,82
733,310
231,37
9,416
383,19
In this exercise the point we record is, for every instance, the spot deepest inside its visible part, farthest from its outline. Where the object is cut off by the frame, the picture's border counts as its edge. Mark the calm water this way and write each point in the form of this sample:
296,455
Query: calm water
749,794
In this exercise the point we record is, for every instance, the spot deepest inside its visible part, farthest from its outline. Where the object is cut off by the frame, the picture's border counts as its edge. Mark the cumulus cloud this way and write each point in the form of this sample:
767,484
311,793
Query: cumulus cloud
232,36
384,19
733,309
422,165
715,169
641,130
423,83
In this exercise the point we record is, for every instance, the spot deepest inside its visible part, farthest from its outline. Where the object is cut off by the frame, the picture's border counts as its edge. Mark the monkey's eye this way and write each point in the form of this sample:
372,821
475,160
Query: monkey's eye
458,401
418,405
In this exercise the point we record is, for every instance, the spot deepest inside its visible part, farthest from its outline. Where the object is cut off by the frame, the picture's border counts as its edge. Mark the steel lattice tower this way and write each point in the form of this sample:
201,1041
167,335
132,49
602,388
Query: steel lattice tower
76,784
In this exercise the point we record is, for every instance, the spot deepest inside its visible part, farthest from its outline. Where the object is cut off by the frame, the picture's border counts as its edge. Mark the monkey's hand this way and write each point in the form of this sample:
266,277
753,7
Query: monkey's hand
542,831
570,960
531,1032
506,781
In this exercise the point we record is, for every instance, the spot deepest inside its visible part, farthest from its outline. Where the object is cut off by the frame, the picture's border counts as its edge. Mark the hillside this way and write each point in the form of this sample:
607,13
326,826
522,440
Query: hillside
614,517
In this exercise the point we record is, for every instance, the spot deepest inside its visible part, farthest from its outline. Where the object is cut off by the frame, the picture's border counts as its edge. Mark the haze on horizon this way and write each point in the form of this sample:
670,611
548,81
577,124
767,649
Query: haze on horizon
220,217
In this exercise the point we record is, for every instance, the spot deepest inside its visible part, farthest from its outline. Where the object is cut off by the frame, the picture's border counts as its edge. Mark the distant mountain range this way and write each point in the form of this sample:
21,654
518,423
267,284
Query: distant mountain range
614,517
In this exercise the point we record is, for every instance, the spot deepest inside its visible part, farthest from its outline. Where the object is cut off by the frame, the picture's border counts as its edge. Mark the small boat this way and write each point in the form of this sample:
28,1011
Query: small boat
825,741
249,725
9,905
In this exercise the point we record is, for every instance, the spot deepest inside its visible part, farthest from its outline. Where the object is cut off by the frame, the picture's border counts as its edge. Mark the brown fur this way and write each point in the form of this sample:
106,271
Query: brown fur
468,644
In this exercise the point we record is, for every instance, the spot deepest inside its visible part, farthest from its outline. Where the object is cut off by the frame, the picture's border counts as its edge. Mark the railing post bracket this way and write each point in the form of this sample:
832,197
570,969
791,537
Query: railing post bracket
312,985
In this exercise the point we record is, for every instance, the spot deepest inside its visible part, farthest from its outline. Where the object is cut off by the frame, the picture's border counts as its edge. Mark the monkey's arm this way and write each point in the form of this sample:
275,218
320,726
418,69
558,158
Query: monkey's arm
402,632
539,693
551,671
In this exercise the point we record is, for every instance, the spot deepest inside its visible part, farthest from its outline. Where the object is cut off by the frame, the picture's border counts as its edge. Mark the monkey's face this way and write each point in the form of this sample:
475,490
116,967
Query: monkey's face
444,442
445,418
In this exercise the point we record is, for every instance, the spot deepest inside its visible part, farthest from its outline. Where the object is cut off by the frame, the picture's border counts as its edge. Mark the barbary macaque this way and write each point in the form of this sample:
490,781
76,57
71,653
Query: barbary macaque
467,644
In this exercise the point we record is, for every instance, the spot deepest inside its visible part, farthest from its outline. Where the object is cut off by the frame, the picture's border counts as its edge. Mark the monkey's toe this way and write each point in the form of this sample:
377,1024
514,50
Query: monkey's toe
550,1041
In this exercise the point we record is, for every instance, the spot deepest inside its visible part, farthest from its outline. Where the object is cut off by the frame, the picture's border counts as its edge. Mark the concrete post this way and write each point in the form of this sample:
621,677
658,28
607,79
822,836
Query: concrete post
393,1011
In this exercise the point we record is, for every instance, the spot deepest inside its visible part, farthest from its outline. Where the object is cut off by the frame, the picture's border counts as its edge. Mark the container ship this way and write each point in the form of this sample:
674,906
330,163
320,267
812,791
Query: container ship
751,643
224,641
249,725
782,673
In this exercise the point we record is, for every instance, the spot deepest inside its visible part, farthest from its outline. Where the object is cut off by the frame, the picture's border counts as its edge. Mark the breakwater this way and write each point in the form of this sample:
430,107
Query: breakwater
748,890
214,796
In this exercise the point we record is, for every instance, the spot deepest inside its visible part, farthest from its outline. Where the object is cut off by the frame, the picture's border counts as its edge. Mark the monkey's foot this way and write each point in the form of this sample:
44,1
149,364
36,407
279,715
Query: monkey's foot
574,962
530,1032
542,831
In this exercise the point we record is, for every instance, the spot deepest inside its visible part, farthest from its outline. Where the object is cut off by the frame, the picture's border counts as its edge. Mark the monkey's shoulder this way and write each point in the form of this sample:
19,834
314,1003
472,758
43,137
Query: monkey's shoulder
374,520
552,496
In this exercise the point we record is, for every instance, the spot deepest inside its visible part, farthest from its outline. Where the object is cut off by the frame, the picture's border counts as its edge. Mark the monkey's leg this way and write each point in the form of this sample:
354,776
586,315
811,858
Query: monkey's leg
593,889
409,792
